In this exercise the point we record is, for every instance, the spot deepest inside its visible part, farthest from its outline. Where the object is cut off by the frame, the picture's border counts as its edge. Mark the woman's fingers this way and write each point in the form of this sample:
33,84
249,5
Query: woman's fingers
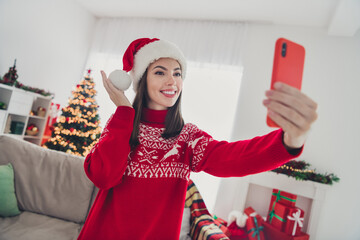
107,84
293,111
288,90
283,112
292,104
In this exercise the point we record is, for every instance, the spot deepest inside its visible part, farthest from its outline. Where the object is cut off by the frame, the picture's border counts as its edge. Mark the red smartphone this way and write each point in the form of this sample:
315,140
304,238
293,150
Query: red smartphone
288,66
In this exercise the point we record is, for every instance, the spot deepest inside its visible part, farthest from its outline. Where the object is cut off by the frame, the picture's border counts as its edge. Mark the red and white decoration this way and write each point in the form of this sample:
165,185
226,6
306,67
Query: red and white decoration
52,117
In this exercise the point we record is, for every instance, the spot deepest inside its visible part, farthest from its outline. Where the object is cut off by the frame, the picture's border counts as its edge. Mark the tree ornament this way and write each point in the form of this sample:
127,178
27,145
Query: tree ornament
11,76
120,79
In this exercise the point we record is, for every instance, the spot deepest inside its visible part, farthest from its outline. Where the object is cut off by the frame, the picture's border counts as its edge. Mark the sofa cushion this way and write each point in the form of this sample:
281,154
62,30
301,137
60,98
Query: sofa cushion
32,226
47,181
8,202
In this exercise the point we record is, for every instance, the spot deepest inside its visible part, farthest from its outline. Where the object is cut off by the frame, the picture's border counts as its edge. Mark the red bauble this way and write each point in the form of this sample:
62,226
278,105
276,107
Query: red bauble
71,129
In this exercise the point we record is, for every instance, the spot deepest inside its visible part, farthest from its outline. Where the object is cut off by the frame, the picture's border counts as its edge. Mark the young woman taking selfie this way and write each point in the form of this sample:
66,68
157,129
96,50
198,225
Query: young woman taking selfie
146,152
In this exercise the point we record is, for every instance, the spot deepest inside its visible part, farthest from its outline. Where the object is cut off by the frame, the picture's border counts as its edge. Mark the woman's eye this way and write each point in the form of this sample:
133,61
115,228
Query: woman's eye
177,74
159,73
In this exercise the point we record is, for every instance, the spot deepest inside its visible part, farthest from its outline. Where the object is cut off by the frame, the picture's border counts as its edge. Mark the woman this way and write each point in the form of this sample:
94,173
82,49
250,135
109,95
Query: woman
143,159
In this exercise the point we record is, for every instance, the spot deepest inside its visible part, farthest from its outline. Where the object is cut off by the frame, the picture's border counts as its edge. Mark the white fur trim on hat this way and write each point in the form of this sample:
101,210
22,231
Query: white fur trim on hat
152,52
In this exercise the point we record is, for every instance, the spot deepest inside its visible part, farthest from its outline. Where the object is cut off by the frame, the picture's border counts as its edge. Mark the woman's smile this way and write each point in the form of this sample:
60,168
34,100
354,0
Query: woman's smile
164,83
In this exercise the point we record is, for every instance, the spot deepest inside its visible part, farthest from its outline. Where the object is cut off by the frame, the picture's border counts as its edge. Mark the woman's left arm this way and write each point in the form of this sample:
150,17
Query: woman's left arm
293,111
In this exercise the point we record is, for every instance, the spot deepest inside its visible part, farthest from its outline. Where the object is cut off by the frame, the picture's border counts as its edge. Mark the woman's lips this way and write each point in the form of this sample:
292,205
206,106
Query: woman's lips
169,93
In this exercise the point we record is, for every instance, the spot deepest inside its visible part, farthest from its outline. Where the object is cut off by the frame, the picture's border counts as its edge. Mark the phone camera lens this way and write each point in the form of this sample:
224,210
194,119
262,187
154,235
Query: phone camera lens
283,49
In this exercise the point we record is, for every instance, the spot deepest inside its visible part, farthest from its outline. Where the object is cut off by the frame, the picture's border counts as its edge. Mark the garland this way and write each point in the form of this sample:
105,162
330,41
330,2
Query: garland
10,79
299,170
33,89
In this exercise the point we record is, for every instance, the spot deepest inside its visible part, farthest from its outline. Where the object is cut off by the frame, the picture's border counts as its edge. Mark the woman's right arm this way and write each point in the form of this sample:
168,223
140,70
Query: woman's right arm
107,160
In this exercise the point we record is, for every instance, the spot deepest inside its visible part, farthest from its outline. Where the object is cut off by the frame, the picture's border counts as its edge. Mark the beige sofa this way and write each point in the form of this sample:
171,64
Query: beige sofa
52,191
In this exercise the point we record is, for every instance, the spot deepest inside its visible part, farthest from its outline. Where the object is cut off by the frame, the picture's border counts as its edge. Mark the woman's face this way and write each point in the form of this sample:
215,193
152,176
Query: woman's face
164,83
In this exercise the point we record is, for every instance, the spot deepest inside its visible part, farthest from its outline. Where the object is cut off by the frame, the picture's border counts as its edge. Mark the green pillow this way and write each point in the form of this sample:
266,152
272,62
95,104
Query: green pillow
8,202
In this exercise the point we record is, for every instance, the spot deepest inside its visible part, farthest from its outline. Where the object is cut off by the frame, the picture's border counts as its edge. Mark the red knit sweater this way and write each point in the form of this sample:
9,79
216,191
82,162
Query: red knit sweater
142,191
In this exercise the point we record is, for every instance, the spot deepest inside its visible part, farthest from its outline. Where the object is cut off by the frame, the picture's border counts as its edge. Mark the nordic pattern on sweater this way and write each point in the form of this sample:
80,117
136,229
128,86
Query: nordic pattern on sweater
157,157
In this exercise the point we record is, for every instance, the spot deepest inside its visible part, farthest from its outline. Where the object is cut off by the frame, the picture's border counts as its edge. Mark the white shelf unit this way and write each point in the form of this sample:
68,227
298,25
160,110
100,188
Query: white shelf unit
19,103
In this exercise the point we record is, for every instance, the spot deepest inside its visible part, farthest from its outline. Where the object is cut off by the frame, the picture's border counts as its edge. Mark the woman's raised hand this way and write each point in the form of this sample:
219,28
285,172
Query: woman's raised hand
293,111
117,96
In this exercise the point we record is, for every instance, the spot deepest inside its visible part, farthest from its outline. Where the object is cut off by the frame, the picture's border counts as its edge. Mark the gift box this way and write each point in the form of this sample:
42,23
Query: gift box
278,216
285,198
254,227
17,127
294,221
271,233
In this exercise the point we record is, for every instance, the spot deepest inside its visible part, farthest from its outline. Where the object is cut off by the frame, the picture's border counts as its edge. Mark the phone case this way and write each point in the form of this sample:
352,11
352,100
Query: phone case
288,66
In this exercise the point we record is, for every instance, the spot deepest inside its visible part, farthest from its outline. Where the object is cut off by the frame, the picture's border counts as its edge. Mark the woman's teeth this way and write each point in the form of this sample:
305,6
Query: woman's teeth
168,92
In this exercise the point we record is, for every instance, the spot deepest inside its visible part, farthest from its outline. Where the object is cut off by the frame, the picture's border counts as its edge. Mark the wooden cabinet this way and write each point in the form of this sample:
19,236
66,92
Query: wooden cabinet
23,108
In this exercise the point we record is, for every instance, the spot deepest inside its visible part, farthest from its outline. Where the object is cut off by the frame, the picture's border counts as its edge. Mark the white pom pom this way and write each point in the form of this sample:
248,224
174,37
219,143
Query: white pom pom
241,221
120,79
239,217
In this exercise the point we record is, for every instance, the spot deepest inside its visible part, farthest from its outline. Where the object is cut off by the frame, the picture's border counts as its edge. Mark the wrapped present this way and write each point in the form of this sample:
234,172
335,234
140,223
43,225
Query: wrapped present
288,199
294,221
254,227
277,217
271,233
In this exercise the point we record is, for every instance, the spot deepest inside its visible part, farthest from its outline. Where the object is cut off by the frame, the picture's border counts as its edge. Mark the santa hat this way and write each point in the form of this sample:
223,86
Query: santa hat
144,51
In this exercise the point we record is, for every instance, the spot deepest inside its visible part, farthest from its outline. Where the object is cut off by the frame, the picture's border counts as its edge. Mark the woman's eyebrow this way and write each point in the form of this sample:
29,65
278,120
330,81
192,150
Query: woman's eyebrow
165,69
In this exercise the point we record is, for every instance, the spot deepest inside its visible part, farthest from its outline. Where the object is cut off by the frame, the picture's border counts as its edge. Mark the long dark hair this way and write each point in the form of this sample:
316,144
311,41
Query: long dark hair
174,121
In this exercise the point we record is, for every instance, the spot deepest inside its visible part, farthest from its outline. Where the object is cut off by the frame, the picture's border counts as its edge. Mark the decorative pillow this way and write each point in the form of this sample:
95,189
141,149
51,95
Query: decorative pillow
8,202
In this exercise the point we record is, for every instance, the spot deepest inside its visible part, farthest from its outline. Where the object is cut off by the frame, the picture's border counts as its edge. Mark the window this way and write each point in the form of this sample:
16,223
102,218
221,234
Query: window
210,99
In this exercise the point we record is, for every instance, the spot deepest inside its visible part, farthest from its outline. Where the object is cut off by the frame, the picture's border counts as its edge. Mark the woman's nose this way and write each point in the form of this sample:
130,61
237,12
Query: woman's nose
171,80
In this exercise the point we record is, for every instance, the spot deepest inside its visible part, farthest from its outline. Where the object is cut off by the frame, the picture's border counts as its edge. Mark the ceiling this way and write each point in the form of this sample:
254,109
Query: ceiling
339,17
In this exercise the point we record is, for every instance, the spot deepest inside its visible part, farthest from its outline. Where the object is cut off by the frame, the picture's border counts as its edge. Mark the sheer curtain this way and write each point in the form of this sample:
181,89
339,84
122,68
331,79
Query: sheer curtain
203,42
211,88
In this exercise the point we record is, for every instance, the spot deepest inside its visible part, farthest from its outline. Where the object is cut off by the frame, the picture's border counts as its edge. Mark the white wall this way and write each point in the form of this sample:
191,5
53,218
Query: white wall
49,39
331,78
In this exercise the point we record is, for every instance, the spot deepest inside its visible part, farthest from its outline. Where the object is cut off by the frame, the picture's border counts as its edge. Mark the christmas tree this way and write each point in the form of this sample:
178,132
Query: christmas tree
77,129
